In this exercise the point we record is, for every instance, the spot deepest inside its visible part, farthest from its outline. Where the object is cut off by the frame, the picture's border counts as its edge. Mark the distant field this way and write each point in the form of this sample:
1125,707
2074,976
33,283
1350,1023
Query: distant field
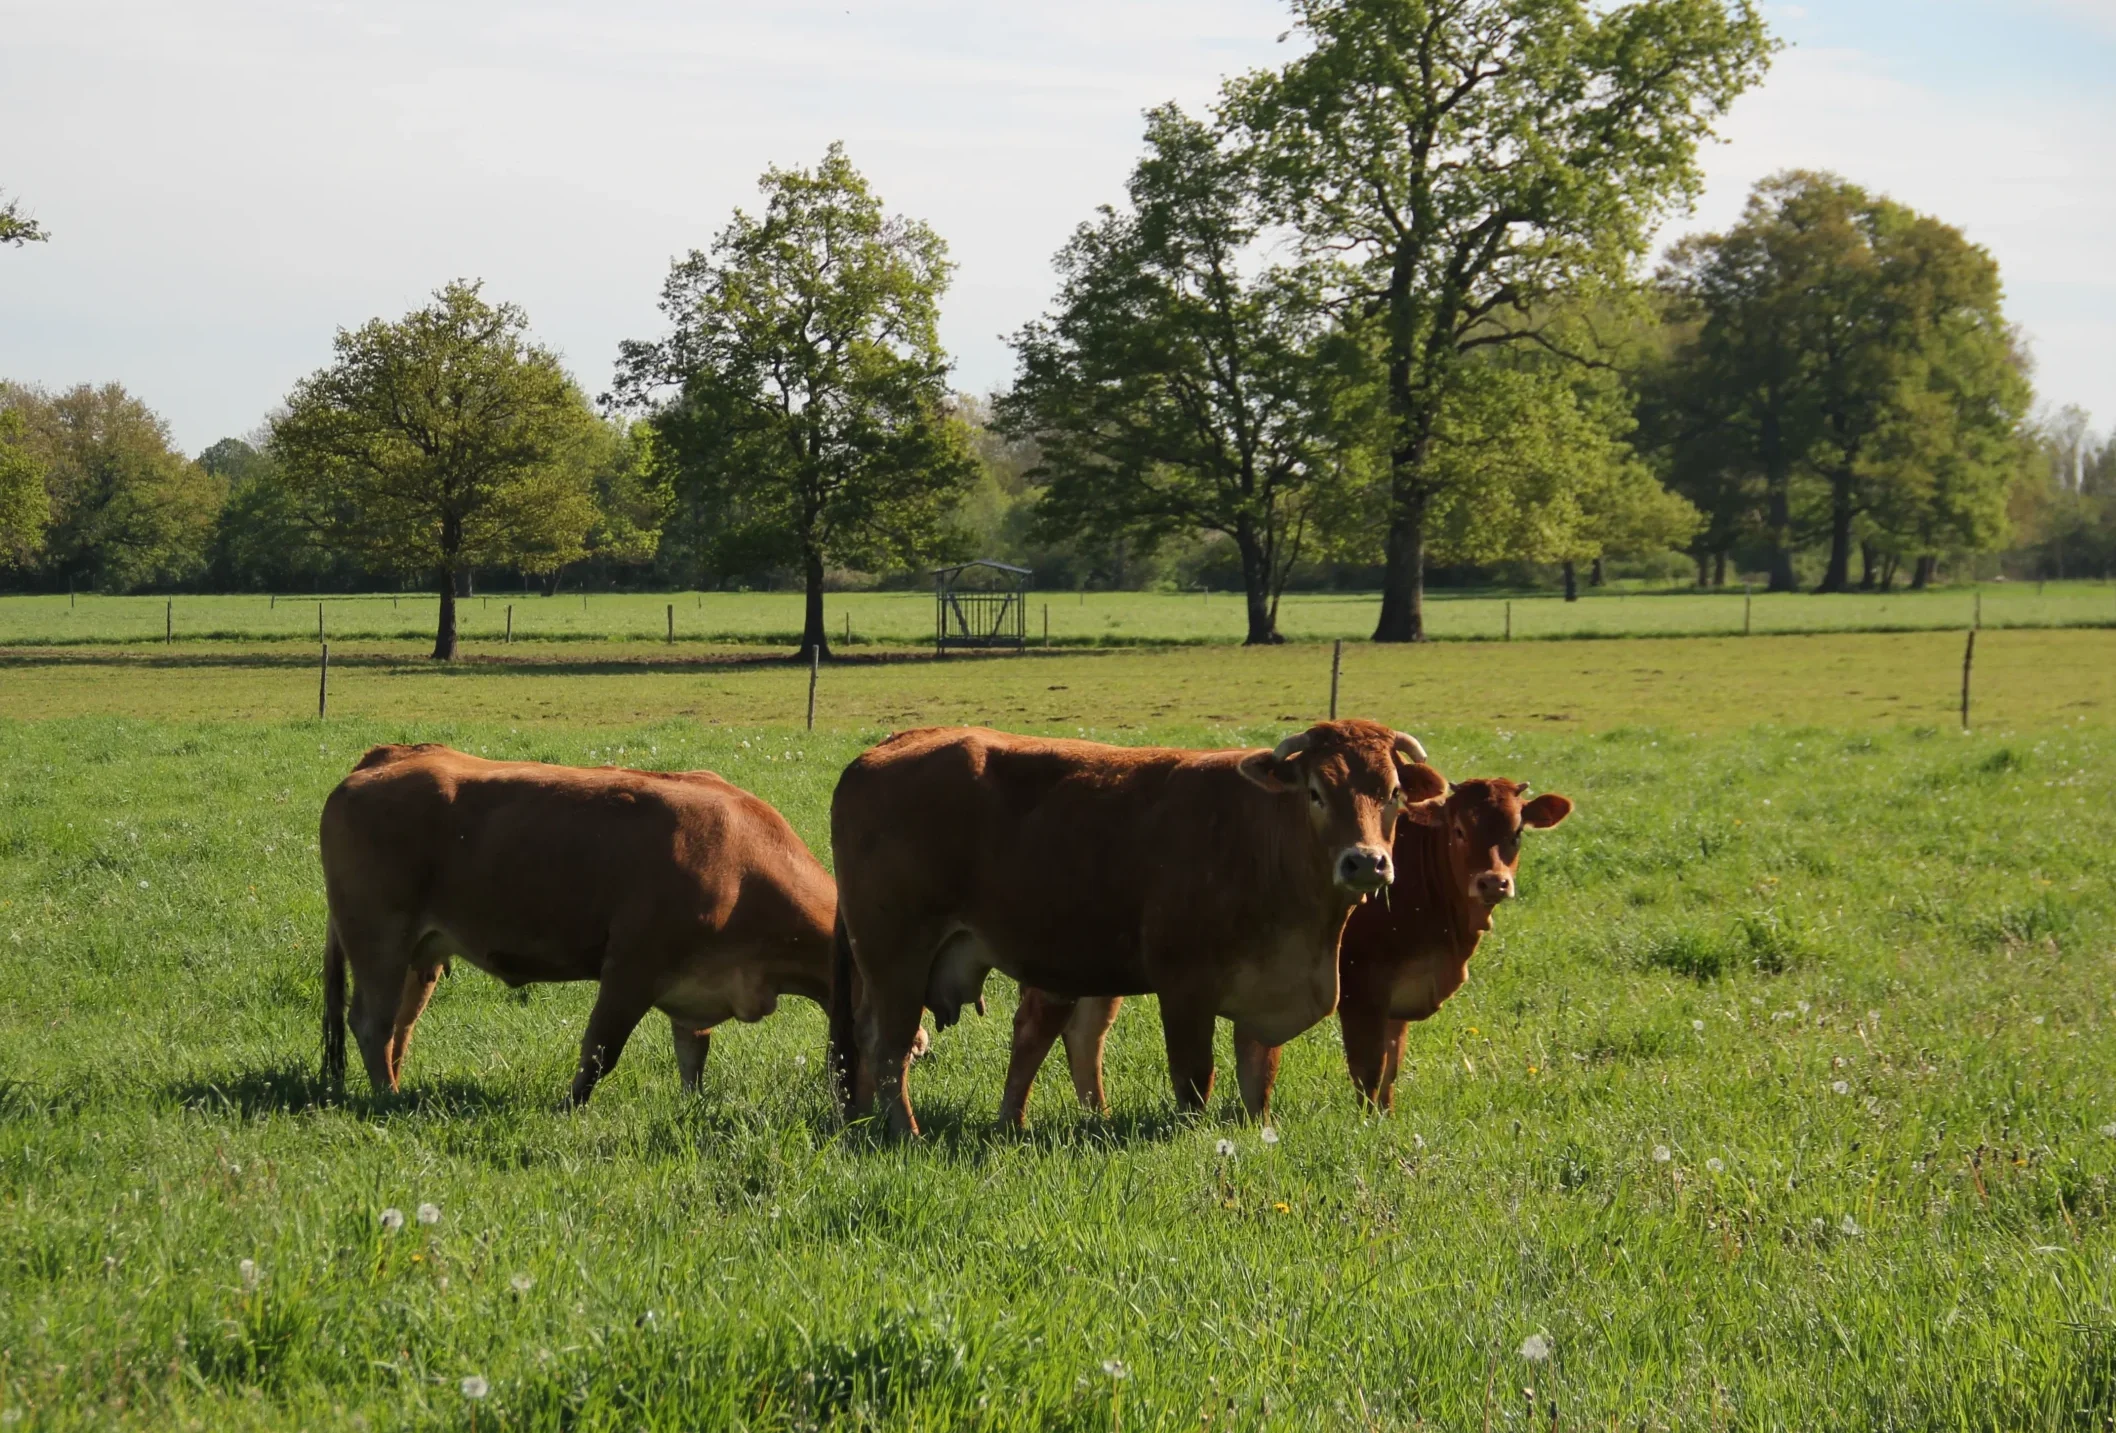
1095,619
1783,1099
1843,681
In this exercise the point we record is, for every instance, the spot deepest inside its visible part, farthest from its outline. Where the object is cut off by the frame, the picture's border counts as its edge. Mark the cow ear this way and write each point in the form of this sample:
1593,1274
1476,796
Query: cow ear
1419,782
1546,811
1261,767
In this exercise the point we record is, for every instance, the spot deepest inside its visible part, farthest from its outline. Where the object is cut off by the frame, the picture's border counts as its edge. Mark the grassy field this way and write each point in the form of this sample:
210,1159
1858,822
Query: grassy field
1784,1098
1076,619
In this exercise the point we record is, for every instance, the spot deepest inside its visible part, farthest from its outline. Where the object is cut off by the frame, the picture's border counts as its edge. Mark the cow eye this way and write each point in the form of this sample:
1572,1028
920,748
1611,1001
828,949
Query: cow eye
1315,796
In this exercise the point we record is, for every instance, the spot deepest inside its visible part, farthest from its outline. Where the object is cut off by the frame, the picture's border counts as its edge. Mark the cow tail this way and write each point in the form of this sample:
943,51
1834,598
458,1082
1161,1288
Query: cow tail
844,1038
333,1009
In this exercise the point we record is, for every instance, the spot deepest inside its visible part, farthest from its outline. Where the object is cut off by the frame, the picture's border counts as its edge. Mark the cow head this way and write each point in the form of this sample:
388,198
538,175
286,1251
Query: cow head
1483,822
1354,779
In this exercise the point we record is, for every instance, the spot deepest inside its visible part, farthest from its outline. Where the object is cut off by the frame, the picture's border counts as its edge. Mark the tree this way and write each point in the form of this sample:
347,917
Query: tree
622,469
25,507
441,443
1473,159
126,509
809,421
1171,394
15,228
1848,340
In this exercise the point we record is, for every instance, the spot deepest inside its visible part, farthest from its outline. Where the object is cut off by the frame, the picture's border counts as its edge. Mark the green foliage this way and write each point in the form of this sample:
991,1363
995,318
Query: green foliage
1852,356
1473,161
1170,393
16,228
126,509
2064,503
25,506
440,443
801,402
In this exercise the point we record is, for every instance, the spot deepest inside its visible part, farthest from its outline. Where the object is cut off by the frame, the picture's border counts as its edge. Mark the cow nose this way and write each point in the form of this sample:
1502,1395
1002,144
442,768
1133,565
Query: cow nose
1494,887
1365,870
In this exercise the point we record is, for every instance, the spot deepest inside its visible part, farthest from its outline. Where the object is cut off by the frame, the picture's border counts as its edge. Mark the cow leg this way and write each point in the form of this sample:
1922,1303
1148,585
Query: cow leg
1364,1033
379,961
1256,1068
619,1007
1391,1061
888,1029
1038,1021
1085,1035
1186,1027
419,981
691,1047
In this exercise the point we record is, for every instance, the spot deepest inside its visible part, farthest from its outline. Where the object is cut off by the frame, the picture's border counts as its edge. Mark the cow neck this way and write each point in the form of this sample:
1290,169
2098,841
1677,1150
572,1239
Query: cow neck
1458,922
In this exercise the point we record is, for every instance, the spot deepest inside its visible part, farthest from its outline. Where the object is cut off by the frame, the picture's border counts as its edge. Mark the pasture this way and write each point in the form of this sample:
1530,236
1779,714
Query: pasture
1784,1097
1091,619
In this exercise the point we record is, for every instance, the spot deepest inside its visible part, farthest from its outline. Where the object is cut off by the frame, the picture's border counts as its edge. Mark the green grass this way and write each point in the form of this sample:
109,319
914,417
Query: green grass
1733,924
1092,619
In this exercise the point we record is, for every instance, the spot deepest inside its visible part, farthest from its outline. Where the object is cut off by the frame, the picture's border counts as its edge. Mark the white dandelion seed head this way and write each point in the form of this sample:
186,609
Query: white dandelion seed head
1417,1141
1698,1026
393,1219
800,1062
1662,1154
521,1283
1535,1348
429,1213
474,1387
1269,1136
143,885
1115,1368
1804,1006
1715,1165
1849,1225
2109,1129
1225,1148
248,1269
1841,1087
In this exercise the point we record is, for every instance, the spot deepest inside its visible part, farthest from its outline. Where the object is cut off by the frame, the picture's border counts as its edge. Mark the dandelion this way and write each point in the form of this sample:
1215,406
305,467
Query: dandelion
1115,1368
1662,1154
521,1283
1225,1148
1841,1087
2109,1130
1269,1136
1282,1207
1417,1141
429,1213
1715,1165
392,1220
1850,1226
474,1387
1804,1006
1698,1026
248,1269
1535,1348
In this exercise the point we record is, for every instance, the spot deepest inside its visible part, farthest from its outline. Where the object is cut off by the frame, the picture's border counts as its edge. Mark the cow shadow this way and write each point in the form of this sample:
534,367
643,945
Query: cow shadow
296,1089
966,1133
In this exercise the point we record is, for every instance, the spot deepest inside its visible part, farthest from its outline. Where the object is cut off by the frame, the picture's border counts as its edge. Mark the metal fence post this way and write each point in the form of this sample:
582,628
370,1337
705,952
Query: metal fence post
1337,656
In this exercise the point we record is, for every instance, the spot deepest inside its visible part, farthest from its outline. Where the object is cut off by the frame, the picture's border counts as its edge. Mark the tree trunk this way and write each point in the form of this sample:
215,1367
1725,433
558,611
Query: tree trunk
1572,583
1719,569
1594,573
1921,573
1867,567
815,639
1778,505
1704,570
1837,576
1256,587
552,579
444,642
1403,579
1888,572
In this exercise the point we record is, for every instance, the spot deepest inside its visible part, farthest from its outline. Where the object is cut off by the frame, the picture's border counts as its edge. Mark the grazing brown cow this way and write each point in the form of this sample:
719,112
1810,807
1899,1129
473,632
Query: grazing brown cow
1216,880
1398,960
675,890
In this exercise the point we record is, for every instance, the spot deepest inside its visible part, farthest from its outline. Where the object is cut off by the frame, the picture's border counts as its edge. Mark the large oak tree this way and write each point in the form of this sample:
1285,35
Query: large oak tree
1473,160
801,400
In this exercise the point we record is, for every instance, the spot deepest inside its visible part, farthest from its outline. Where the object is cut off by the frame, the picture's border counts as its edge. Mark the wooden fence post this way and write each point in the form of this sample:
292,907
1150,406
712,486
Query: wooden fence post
1968,656
1746,599
1509,619
510,623
323,684
672,624
1976,620
815,663
168,622
319,621
1337,656
1046,624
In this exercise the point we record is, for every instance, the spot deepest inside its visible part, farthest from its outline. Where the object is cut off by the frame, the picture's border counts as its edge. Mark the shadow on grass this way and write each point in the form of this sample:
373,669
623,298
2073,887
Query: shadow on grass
293,1089
21,658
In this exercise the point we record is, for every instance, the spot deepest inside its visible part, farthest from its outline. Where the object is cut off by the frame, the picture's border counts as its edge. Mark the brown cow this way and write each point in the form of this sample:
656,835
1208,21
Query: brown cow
1400,957
1218,881
675,890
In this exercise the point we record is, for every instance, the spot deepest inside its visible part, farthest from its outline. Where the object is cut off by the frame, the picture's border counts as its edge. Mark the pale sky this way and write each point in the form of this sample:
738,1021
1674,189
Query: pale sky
229,181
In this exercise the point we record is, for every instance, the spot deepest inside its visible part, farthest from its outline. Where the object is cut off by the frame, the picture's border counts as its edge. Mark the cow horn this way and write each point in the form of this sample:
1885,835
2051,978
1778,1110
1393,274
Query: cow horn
1293,745
1409,746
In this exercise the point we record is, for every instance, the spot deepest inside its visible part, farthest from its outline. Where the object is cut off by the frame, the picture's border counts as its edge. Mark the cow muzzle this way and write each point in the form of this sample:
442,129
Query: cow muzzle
1365,869
1492,887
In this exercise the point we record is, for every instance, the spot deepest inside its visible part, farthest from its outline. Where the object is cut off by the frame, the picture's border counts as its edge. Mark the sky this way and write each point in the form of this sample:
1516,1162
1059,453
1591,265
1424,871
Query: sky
229,182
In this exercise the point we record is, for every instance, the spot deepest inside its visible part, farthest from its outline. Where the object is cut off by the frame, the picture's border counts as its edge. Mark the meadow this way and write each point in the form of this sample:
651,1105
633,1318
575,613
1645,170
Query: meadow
1785,1096
1075,619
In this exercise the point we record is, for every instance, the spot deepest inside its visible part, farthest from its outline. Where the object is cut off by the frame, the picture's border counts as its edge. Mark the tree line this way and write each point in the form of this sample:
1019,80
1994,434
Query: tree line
1382,310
